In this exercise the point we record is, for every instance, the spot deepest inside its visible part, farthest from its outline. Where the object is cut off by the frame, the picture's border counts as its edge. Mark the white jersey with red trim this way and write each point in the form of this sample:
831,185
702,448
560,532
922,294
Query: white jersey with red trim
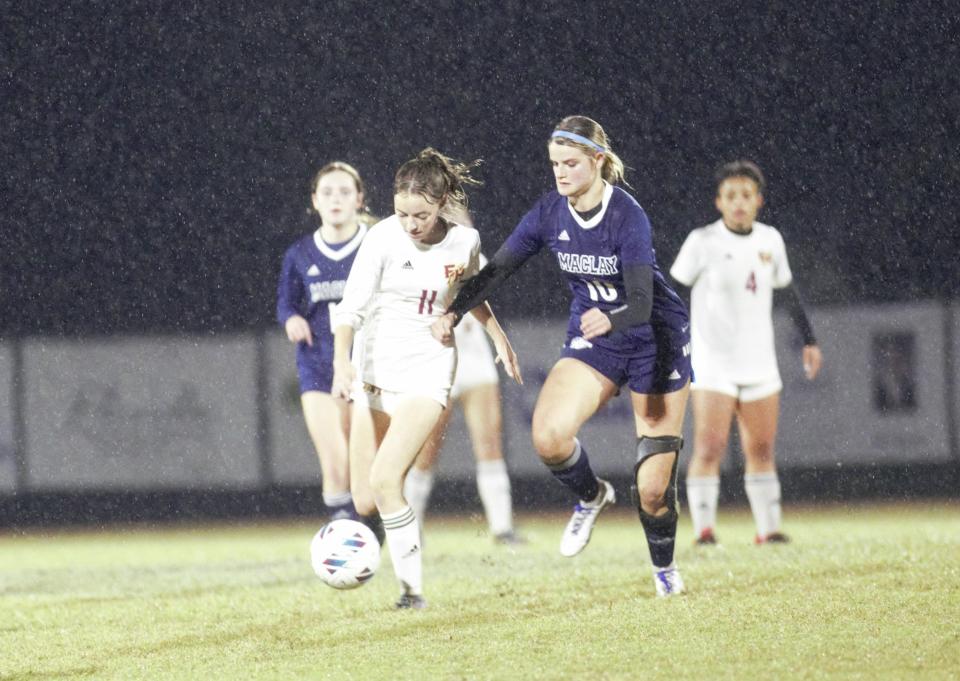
396,289
732,277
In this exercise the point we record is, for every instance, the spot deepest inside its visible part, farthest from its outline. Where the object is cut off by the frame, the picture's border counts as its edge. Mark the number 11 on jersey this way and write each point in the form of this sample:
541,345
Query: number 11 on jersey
427,299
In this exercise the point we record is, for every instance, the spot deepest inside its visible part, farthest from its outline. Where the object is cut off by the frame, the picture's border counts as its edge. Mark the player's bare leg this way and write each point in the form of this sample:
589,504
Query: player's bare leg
482,413
712,414
367,428
412,421
572,393
659,420
328,423
419,481
757,421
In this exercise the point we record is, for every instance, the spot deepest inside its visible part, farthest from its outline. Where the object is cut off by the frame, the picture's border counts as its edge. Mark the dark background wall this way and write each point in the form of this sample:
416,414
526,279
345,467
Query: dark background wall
157,155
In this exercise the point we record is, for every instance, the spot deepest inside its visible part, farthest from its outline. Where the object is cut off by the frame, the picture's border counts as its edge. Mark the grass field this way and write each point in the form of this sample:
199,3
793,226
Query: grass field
865,592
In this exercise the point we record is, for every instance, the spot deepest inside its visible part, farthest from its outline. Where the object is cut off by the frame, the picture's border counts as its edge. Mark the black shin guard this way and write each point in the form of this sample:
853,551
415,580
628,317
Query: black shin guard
661,534
661,530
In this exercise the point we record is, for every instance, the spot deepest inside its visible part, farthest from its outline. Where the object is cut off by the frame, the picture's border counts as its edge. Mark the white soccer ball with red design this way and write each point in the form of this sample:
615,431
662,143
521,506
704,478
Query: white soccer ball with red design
345,554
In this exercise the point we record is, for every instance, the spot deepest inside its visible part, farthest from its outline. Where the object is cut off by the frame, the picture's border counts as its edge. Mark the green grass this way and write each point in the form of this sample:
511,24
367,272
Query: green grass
864,592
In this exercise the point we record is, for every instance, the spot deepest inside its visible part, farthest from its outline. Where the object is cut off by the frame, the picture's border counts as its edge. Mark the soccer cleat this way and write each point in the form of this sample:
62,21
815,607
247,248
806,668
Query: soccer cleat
577,533
343,514
668,581
772,538
509,538
411,602
706,538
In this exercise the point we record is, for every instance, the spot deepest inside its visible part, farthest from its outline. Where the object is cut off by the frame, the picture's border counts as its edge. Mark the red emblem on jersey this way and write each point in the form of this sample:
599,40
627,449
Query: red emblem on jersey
453,273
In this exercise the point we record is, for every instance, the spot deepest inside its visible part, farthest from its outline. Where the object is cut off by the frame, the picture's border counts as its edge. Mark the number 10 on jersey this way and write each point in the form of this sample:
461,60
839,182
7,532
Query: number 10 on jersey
601,290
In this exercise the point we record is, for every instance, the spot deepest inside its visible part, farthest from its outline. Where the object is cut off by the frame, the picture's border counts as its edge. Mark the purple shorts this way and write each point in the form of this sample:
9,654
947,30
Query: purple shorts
315,370
657,368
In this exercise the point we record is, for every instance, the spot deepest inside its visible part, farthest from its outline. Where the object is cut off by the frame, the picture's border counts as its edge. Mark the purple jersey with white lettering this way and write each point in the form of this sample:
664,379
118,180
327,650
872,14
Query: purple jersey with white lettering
311,283
592,254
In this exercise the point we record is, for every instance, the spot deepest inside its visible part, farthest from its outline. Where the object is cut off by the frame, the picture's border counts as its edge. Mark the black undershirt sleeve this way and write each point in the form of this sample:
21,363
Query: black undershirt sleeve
638,293
789,297
477,289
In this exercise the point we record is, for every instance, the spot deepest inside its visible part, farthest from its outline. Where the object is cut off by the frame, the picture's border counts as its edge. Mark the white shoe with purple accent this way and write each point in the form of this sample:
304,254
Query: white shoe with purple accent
577,533
668,581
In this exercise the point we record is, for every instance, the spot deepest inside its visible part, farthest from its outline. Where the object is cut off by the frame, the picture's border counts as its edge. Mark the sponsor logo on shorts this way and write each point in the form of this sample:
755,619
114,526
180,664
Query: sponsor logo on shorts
580,343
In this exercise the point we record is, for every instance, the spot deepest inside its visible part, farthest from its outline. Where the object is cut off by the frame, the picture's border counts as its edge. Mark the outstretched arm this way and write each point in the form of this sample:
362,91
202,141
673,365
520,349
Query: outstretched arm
476,290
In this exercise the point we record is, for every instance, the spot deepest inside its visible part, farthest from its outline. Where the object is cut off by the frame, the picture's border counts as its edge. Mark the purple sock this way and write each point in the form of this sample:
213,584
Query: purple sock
575,473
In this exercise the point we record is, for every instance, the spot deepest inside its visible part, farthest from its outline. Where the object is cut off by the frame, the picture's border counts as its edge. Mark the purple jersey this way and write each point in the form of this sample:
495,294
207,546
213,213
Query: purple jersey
311,283
592,253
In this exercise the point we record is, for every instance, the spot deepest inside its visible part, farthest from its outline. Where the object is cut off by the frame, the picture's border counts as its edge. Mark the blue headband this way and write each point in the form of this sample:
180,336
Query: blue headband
578,138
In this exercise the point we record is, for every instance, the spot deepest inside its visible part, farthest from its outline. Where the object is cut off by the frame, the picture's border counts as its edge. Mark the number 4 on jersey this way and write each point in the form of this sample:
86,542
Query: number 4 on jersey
752,283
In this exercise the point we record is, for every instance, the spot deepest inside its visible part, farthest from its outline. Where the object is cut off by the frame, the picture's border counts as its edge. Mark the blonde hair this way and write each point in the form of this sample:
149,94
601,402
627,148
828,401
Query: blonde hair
439,179
363,214
612,169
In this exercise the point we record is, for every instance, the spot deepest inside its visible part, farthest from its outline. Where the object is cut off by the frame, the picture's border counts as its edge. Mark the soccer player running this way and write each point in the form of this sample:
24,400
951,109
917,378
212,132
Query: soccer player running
627,327
408,269
312,278
476,387
734,265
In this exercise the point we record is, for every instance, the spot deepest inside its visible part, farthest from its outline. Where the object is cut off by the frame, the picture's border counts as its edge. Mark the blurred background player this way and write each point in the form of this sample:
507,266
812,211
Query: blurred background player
312,278
406,272
477,388
733,265
627,327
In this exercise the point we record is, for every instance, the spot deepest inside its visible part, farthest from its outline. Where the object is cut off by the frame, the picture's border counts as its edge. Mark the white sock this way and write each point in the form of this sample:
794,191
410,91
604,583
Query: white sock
416,490
403,540
493,484
702,496
337,499
763,491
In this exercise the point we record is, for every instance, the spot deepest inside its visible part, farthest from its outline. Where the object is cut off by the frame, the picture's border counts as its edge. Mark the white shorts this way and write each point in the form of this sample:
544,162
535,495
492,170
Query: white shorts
742,393
387,401
475,361
473,372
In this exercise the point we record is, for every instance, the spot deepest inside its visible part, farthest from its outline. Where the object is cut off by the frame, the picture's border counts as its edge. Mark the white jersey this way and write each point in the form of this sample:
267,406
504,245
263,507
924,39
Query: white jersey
396,289
732,278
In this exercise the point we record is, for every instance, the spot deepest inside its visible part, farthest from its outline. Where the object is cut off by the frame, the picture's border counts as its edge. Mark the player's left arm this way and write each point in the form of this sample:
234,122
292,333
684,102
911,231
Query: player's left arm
789,298
787,294
505,353
635,309
636,262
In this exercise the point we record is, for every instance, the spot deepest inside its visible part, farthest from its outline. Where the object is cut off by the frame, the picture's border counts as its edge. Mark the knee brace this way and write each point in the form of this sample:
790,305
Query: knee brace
652,446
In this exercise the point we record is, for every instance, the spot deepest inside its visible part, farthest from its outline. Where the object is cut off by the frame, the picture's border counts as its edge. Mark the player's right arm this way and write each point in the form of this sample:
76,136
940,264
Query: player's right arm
348,316
290,292
520,246
688,266
344,372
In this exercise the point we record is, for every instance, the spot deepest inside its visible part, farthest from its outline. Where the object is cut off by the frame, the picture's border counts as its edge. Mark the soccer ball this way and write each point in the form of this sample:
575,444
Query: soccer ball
345,554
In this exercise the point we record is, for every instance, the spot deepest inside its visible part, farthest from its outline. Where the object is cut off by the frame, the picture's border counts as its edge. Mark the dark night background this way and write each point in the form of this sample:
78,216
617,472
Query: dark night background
157,155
